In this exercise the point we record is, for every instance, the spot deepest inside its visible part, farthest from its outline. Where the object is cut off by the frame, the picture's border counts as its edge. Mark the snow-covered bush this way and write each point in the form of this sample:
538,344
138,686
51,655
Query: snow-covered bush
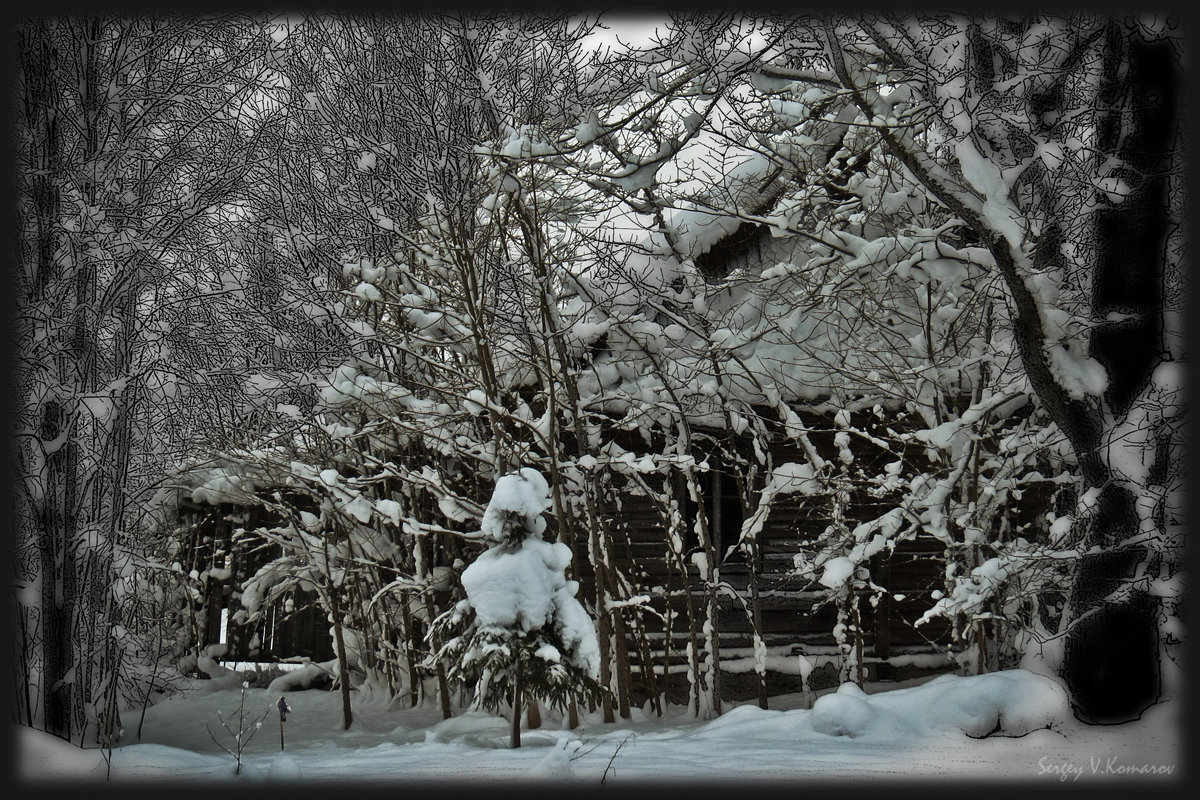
520,621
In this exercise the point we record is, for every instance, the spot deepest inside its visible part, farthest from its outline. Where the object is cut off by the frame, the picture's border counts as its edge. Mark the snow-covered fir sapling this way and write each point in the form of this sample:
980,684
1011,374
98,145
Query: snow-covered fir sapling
520,632
246,728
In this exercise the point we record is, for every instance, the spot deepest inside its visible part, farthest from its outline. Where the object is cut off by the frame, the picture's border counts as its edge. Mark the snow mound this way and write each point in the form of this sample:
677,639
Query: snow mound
557,763
1009,703
304,677
734,719
846,712
219,676
284,768
474,728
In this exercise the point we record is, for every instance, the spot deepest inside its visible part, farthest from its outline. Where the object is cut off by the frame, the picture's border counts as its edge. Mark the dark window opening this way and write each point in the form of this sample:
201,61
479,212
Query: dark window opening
723,509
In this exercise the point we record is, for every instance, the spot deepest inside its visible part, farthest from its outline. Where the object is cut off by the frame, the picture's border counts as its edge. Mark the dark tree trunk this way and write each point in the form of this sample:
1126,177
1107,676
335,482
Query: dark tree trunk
623,666
1111,661
430,614
58,581
753,562
410,651
515,737
343,659
533,716
603,622
55,519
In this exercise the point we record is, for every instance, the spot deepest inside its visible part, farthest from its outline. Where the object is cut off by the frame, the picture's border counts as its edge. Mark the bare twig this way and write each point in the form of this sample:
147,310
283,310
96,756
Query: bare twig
585,752
611,760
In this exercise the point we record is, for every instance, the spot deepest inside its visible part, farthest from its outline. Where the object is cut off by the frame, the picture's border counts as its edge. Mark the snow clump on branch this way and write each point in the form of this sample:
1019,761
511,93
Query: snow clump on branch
516,508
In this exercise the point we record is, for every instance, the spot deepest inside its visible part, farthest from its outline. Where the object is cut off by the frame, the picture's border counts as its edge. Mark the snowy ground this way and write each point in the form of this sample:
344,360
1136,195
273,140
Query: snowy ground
921,733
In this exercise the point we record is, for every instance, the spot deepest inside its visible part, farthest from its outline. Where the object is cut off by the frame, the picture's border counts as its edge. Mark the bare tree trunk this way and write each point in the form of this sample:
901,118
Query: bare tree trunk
425,568
1111,659
603,629
752,556
54,516
690,607
57,579
343,666
533,714
335,607
514,740
444,691
21,674
711,578
647,667
623,667
410,649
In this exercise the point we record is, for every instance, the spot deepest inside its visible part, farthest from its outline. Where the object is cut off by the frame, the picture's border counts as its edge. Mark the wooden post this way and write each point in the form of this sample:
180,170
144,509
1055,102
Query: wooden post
283,709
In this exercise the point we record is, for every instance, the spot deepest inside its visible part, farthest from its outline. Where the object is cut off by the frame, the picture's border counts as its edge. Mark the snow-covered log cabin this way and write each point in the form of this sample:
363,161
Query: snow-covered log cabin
783,604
